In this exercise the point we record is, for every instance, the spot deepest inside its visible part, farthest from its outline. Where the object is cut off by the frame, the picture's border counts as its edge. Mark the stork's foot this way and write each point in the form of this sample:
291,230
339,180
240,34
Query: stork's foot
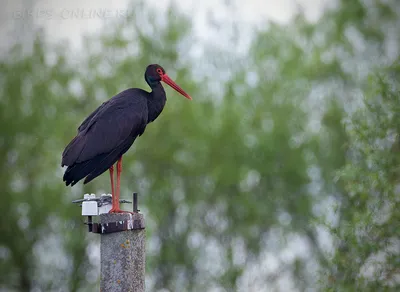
118,210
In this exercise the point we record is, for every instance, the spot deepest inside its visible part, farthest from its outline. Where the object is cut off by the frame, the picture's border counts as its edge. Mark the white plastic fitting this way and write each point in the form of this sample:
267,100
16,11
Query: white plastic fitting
89,208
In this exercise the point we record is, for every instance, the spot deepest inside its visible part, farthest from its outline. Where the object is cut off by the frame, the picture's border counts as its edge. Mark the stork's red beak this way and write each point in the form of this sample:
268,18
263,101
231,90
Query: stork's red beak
175,86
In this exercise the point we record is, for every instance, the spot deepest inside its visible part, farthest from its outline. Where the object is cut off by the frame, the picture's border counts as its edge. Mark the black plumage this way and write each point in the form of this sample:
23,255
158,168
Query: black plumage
107,133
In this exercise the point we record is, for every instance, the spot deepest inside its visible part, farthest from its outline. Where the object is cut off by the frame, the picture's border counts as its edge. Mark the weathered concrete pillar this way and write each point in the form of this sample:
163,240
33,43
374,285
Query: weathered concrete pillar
123,254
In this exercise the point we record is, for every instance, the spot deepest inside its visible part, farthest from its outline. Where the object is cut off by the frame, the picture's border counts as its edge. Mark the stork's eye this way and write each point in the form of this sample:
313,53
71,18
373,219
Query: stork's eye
159,71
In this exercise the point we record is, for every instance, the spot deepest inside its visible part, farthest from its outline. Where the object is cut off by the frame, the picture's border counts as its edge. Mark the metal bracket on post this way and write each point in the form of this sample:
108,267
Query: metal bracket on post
95,206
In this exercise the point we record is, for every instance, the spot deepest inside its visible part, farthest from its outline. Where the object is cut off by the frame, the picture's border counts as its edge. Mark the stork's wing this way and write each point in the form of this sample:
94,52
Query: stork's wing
92,115
109,127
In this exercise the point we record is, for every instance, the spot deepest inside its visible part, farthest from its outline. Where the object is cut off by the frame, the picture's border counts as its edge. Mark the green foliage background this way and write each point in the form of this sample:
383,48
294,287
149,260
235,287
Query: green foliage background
281,175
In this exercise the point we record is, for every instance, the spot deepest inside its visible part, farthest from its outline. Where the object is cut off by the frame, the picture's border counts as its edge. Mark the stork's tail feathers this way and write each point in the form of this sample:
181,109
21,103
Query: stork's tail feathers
94,167
73,150
78,171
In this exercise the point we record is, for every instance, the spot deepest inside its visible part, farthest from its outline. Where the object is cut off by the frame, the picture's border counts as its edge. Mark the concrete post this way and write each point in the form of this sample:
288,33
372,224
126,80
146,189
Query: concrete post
123,256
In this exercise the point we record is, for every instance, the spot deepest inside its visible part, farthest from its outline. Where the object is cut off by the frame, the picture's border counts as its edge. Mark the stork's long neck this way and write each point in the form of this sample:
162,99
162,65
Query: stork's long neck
156,101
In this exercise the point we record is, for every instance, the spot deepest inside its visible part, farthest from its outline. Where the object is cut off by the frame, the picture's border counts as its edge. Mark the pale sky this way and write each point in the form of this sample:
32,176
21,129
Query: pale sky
73,19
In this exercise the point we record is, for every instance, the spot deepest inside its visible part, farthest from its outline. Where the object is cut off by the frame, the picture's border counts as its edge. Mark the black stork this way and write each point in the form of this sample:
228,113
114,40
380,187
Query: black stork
108,132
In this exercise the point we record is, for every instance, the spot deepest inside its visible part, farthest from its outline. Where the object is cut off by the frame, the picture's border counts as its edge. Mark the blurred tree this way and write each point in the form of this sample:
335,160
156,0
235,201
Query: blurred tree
367,233
39,226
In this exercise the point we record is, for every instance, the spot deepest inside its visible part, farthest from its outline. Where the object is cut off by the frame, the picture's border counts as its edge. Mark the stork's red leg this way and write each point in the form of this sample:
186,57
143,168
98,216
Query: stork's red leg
111,169
115,208
119,170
